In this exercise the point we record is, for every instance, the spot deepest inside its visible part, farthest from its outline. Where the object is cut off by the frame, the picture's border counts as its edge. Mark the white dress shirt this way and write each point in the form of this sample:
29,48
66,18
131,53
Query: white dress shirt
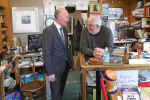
58,28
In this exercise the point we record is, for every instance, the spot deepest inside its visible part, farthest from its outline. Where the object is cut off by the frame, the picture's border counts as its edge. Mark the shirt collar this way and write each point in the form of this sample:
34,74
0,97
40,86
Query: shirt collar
57,25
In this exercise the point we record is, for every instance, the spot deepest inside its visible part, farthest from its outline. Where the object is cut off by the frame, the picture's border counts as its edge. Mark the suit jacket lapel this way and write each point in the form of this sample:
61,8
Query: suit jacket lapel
57,34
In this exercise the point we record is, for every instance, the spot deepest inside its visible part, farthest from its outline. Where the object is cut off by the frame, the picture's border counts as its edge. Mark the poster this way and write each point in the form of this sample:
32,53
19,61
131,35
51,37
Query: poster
49,8
116,13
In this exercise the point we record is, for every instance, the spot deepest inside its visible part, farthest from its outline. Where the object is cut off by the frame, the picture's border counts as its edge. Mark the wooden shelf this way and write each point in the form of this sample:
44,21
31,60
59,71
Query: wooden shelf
146,27
3,29
139,7
137,17
147,6
147,17
2,23
1,14
138,28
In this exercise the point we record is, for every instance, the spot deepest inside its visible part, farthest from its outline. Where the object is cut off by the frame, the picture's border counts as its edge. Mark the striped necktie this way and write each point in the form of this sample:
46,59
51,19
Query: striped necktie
61,34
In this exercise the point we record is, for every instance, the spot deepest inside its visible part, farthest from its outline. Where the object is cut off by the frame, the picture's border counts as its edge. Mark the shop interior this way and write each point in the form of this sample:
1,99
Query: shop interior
22,23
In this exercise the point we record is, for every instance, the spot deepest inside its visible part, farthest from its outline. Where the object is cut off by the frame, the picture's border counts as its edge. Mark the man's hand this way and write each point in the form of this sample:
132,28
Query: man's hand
51,78
98,52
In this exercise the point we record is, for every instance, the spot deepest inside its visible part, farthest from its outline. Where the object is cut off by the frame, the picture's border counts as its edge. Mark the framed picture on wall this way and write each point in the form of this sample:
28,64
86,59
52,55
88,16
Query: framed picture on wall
49,8
25,19
115,13
69,26
95,7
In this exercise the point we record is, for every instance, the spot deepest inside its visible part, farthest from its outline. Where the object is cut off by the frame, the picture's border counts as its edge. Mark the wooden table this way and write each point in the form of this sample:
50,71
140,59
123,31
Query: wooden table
96,67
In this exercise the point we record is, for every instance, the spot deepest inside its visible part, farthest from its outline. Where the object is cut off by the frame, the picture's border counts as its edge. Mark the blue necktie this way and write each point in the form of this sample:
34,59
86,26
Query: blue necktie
61,34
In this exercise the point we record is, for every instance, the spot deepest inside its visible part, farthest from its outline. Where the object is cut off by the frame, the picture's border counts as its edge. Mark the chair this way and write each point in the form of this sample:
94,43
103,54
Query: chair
32,87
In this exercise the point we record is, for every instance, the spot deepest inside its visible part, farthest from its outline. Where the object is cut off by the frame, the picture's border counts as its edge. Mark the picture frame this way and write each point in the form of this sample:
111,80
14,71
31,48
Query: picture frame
115,13
25,19
95,7
49,8
69,26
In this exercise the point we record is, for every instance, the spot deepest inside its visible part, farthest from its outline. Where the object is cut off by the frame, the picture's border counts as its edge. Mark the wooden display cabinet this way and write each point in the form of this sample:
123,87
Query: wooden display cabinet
5,23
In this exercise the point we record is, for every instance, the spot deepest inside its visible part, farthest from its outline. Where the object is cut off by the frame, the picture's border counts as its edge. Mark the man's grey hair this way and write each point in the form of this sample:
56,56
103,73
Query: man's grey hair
95,19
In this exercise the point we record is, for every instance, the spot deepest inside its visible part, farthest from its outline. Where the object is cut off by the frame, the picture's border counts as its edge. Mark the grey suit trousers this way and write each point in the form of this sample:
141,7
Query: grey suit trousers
57,87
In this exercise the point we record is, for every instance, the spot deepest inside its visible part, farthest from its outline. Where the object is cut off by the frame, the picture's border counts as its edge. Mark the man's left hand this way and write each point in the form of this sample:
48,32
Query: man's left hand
100,52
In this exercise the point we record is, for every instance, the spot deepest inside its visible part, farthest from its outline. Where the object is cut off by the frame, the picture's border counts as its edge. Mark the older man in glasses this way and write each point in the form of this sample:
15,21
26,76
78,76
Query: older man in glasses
94,38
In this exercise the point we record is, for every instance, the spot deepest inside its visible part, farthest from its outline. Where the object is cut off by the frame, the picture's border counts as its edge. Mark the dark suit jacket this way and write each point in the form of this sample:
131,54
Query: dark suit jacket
54,50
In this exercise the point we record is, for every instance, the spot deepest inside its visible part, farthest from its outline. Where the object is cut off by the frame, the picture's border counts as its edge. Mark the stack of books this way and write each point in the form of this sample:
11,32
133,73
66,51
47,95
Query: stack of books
139,12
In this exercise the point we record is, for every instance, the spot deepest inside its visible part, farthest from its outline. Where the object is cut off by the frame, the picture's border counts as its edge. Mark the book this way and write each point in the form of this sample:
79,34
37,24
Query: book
130,94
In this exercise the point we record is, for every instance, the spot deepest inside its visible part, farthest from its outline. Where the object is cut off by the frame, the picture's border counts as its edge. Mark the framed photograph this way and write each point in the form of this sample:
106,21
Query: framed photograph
95,7
69,26
49,8
25,19
116,13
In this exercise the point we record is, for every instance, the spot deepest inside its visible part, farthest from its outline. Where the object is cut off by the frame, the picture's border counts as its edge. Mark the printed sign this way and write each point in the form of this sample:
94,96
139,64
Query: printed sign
127,78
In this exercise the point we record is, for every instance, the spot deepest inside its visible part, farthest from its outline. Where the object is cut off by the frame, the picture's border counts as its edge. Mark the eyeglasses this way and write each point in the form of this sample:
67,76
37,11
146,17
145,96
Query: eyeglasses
90,25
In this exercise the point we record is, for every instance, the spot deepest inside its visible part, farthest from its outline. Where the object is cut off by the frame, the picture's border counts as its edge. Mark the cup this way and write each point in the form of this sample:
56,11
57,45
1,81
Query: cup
126,57
140,57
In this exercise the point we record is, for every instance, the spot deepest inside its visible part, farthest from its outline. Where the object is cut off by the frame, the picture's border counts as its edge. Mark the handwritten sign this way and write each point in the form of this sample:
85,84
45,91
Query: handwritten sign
127,78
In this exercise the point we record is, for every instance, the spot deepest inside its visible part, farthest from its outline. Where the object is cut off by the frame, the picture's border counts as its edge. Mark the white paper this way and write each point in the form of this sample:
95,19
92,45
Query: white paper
105,11
49,0
112,26
139,61
61,4
119,97
71,3
82,5
84,15
127,78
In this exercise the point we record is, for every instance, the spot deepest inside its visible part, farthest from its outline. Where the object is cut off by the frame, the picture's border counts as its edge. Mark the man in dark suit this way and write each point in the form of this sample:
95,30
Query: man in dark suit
55,53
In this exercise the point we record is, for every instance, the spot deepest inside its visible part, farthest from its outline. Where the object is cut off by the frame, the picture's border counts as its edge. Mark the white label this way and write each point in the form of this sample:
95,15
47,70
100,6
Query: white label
106,58
130,96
